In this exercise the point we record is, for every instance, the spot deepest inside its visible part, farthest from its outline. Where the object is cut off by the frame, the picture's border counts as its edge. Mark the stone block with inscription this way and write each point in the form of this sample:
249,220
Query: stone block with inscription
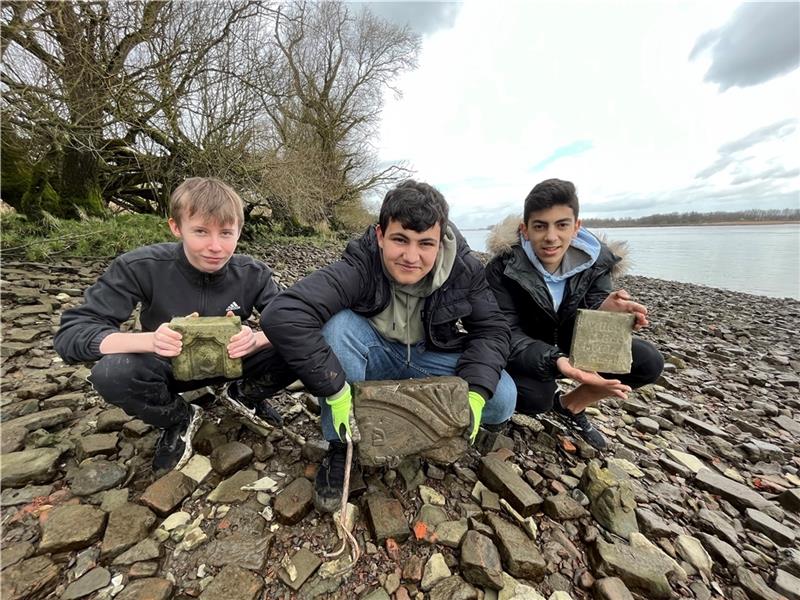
601,341
422,417
204,354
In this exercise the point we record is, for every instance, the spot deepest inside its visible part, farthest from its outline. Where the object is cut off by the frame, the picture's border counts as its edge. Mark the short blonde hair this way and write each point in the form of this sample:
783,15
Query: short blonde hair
208,197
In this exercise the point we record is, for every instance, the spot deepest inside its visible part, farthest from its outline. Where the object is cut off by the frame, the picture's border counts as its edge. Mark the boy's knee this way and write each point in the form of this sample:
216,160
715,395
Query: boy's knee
115,371
648,363
342,326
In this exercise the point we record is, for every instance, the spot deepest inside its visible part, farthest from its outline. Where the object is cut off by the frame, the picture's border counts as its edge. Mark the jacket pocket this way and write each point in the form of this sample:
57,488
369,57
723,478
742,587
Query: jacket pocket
451,312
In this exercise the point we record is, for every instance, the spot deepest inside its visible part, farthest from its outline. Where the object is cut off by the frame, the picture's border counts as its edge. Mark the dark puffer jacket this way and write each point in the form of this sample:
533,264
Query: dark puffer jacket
294,320
539,334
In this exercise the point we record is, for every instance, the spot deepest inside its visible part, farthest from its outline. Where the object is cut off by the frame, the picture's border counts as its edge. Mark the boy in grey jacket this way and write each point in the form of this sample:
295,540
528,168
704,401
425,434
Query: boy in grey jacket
200,275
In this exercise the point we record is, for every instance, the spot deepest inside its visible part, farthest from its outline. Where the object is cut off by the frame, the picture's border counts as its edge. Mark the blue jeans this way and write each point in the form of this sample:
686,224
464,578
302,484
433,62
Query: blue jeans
365,355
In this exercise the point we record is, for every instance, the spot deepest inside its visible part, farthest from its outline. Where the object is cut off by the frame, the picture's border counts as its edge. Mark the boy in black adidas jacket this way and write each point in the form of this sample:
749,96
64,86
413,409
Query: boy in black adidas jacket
199,275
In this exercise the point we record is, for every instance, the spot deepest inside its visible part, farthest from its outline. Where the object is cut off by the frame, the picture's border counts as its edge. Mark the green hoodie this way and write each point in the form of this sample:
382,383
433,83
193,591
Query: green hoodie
401,320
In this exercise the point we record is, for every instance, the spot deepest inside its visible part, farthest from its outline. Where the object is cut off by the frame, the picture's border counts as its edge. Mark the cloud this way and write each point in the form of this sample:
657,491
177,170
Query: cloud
422,17
777,130
733,153
761,41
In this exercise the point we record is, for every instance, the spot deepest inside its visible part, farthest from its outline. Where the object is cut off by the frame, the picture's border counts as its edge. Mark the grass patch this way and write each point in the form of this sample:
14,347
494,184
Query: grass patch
90,238
57,239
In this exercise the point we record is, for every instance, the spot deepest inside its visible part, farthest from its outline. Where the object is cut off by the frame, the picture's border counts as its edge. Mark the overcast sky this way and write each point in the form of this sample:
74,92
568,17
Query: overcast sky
647,106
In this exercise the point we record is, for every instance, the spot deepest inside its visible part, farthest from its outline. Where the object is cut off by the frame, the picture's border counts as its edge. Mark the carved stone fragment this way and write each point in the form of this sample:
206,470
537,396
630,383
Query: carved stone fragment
204,354
601,341
424,417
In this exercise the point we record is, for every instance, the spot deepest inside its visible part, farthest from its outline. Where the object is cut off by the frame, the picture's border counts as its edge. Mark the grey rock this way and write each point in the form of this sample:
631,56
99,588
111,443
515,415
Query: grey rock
652,524
230,457
13,497
294,502
453,588
450,533
43,419
718,523
647,425
304,563
500,477
611,588
755,586
147,549
721,550
386,519
127,525
787,584
435,570
13,553
233,583
165,494
563,507
96,475
28,466
777,532
734,492
480,561
613,502
151,588
229,490
242,549
29,579
92,581
112,420
790,500
642,566
104,444
12,439
72,527
521,557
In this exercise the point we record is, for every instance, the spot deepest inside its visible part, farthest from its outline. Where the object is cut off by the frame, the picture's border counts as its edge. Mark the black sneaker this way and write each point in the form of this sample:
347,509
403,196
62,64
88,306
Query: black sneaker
260,413
330,478
174,446
581,424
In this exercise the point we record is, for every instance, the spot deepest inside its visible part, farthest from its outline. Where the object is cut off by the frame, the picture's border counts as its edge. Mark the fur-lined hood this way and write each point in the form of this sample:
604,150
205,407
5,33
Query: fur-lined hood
505,235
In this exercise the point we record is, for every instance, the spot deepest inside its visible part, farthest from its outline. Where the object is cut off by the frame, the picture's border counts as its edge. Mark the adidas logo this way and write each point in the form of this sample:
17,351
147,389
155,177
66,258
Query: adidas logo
233,306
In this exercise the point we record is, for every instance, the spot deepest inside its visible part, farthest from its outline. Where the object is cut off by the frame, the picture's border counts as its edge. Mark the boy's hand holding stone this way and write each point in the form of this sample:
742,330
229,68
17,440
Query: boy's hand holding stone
246,341
166,341
620,301
612,386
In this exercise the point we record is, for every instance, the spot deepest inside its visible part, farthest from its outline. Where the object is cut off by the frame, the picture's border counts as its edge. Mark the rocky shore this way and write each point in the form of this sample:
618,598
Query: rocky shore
698,495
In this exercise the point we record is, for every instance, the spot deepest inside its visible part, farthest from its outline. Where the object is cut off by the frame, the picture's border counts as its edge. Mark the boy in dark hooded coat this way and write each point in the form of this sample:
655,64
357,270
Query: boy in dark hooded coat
543,270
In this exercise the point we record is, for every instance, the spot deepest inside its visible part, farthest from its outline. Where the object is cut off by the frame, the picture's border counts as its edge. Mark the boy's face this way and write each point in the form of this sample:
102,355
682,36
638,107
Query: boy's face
408,255
207,244
550,232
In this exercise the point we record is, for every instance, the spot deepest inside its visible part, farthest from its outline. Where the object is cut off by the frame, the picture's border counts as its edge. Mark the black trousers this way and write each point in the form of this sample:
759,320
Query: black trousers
535,396
143,385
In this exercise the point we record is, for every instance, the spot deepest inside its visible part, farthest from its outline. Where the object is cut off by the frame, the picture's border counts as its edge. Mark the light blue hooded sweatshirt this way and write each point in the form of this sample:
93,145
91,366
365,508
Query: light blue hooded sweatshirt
581,254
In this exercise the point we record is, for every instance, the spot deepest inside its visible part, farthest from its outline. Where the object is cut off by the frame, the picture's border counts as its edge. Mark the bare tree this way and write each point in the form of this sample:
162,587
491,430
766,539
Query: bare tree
325,94
117,101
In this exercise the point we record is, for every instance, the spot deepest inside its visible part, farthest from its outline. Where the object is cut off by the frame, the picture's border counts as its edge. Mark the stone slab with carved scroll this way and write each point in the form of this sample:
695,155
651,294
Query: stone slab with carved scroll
422,417
601,341
204,354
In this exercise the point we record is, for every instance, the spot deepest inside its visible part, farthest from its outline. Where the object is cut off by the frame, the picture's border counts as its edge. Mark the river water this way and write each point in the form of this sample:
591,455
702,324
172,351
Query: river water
756,259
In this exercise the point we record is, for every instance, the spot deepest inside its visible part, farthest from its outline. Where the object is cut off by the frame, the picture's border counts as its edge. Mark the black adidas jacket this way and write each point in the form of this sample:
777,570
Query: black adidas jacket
167,285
